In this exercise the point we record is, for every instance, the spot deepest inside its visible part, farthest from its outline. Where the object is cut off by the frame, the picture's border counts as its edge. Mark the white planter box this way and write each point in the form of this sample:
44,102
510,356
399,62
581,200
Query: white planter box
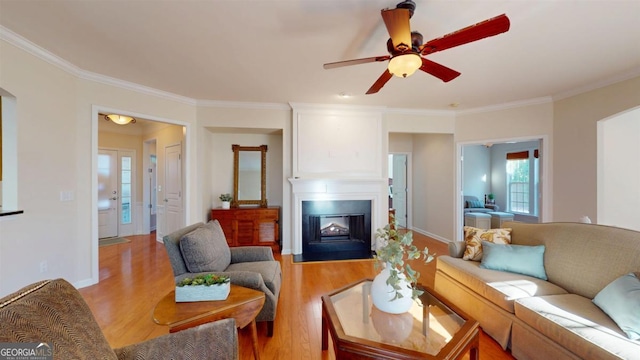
202,292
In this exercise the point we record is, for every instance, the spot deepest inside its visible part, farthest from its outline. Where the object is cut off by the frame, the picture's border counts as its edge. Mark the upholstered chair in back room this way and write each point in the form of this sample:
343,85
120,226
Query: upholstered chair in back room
202,249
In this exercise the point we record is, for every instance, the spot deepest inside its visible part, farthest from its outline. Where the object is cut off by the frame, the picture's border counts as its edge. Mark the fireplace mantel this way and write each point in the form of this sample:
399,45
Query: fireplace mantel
309,189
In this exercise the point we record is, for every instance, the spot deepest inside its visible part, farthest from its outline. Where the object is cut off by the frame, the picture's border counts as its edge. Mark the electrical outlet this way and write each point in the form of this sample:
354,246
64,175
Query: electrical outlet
43,267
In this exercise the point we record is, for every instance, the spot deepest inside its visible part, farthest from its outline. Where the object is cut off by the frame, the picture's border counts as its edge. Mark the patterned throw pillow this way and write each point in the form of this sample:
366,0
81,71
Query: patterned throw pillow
474,238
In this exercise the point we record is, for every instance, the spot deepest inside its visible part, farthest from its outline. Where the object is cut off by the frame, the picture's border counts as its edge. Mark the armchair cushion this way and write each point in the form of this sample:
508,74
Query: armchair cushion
206,249
251,253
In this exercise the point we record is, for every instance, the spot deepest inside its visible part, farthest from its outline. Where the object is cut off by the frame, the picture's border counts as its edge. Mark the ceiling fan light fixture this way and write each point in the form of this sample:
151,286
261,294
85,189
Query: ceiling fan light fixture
120,119
404,65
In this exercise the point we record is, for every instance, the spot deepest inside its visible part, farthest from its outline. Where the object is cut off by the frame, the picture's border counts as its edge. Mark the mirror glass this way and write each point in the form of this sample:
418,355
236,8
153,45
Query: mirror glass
249,175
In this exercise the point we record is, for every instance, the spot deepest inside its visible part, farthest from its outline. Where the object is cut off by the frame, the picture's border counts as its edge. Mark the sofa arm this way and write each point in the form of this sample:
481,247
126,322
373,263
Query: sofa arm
216,340
251,254
456,248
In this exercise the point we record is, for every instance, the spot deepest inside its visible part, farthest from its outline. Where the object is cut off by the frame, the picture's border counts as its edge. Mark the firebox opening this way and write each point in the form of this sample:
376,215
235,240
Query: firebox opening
336,227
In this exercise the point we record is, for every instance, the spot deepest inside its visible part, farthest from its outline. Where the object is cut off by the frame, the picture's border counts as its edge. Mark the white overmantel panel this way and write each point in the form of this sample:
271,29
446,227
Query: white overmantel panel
309,189
337,143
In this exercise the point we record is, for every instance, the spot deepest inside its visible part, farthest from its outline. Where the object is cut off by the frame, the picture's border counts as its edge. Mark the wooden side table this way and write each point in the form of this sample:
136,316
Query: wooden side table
243,305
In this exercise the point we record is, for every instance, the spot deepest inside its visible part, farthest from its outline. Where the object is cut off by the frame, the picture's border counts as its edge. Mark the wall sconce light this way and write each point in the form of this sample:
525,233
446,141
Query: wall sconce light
120,119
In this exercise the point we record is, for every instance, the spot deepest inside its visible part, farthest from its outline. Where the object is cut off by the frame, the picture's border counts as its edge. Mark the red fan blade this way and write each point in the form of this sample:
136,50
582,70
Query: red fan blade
481,30
386,75
337,64
440,71
397,23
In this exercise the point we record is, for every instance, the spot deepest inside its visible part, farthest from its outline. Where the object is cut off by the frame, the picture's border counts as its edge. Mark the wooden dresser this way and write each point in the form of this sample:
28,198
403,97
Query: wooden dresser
250,226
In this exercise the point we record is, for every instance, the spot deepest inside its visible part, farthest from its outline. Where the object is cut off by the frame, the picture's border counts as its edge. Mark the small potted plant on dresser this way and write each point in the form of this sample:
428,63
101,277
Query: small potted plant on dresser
207,287
226,200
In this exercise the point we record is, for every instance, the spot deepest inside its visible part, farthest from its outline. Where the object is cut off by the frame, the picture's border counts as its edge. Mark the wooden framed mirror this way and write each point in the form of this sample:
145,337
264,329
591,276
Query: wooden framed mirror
249,175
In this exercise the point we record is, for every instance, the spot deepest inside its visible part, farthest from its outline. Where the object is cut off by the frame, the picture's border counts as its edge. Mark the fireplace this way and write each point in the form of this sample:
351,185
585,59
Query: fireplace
336,226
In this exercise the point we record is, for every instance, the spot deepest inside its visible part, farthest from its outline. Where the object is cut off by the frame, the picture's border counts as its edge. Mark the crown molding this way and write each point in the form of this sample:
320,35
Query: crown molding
43,54
597,85
506,106
37,51
335,107
91,76
421,112
242,105
24,44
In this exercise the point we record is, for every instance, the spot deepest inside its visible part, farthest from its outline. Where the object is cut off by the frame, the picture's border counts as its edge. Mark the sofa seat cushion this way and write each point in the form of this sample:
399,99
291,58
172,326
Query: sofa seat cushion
501,288
577,324
270,271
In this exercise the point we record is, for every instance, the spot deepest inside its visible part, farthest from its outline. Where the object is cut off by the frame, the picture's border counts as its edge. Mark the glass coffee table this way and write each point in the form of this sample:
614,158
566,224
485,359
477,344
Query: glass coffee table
436,330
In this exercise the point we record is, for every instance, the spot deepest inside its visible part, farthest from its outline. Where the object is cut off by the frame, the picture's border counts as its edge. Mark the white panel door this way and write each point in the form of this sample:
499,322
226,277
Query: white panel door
173,188
399,189
107,193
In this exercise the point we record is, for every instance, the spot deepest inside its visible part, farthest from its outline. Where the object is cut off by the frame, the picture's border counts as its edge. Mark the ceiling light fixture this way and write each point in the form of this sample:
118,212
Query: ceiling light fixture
405,65
120,119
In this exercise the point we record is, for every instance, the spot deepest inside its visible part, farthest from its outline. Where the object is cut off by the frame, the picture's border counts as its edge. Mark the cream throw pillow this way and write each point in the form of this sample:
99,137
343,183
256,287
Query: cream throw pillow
475,236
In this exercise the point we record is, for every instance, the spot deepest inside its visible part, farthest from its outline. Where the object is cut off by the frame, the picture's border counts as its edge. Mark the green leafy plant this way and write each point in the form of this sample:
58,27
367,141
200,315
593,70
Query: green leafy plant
206,280
226,197
397,248
491,196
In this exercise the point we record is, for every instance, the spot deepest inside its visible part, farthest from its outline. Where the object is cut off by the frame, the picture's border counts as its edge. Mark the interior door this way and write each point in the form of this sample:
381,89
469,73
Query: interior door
107,193
173,188
399,188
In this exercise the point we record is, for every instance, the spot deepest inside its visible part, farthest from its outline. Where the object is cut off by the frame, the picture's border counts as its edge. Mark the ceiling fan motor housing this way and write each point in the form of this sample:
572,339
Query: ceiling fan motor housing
409,5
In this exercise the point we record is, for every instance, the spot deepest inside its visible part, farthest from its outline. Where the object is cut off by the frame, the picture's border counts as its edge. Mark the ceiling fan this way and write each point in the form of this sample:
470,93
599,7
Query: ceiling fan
406,48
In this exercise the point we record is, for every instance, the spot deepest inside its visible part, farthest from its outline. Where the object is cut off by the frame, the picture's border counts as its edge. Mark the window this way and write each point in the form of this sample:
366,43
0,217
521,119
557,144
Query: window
522,182
126,189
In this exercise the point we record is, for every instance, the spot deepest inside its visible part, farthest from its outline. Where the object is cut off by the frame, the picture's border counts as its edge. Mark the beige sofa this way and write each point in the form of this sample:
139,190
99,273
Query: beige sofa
553,319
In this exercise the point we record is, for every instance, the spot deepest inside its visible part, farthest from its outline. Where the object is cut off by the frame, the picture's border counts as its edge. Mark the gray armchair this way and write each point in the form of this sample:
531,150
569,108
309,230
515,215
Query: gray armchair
202,248
54,312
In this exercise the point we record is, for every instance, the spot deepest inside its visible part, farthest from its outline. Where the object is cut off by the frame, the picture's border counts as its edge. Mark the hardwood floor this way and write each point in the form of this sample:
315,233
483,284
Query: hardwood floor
136,275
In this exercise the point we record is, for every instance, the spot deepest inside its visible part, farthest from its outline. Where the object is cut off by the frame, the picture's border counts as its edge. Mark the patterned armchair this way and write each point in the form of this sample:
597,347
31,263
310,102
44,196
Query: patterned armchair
54,312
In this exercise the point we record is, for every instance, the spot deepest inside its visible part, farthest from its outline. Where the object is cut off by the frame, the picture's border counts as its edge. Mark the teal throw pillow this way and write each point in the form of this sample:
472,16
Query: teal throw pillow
474,204
621,301
526,260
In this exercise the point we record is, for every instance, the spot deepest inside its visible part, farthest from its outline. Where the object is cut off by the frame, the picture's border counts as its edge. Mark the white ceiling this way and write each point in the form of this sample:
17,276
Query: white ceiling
272,51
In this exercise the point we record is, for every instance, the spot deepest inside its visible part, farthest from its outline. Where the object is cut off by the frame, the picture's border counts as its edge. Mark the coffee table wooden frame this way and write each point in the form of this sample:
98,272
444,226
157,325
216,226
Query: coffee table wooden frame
466,339
243,305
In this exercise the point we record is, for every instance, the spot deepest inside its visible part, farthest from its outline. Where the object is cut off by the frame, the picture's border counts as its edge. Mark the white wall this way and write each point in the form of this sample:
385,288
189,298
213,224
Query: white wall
433,185
476,172
57,135
222,158
56,147
618,170
575,146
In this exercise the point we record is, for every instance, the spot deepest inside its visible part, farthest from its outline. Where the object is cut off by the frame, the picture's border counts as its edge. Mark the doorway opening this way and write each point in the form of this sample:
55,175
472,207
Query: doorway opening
139,137
399,187
496,167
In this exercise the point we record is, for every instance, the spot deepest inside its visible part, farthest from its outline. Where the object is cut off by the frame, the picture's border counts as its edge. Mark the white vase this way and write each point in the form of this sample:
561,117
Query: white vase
382,294
226,205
